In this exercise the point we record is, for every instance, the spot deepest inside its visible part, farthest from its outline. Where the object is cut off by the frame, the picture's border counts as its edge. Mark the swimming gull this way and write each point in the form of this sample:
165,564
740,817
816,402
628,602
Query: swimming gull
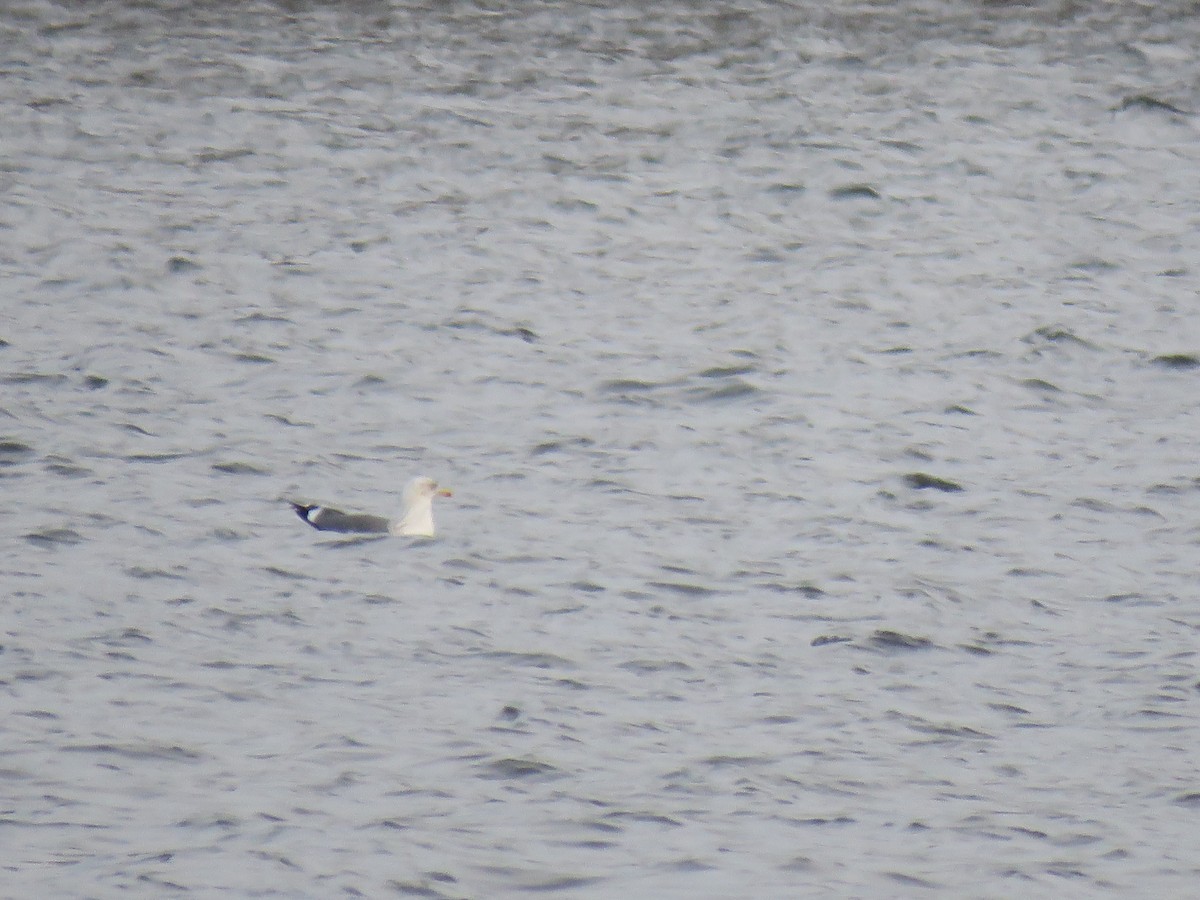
416,518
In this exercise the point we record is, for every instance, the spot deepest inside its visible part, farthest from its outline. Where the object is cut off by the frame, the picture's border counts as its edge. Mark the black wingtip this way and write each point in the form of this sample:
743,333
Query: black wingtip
302,511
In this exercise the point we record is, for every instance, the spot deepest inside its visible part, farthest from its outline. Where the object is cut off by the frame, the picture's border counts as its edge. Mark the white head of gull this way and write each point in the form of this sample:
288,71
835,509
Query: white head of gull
416,516
416,519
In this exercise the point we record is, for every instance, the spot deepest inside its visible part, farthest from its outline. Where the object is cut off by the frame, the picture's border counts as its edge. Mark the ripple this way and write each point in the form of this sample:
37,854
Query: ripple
735,389
1057,335
517,769
647,818
13,452
238,468
686,590
655,665
532,660
54,537
855,192
138,751
921,481
894,640
1177,361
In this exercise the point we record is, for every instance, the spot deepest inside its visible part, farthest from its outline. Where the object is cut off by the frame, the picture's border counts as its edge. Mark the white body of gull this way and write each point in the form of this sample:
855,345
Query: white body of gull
416,518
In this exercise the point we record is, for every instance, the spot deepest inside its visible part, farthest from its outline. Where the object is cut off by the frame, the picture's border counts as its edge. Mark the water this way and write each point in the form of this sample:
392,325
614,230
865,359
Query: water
817,383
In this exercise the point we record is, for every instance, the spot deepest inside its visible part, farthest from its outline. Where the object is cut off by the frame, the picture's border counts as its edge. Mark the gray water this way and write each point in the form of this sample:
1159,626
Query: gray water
818,387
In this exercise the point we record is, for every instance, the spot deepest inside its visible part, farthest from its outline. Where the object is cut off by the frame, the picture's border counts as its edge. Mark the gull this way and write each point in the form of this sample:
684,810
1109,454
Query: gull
416,517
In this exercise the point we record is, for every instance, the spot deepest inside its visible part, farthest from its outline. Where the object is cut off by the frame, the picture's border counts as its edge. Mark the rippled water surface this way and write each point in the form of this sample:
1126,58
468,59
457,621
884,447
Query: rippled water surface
818,387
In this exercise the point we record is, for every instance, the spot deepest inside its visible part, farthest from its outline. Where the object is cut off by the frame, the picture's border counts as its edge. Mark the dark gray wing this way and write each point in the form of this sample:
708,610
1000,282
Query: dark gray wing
323,518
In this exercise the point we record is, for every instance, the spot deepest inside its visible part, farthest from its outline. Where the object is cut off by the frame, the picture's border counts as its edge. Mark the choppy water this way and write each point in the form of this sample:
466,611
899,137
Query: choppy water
818,384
